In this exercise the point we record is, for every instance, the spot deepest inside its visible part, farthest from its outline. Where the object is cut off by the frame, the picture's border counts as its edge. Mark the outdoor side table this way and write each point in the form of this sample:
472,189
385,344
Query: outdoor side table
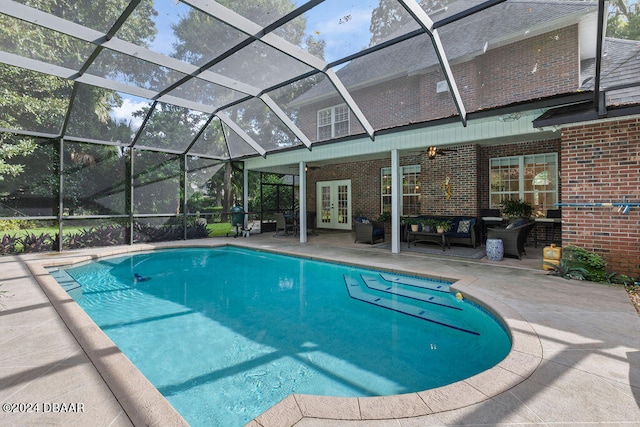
494,249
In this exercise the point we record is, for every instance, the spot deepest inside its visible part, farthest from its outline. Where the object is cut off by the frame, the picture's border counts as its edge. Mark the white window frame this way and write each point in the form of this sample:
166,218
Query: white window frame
410,182
534,165
330,117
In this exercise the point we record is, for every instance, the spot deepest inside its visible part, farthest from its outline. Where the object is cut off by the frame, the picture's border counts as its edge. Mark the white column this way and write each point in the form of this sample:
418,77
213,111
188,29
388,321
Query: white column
245,193
303,203
395,202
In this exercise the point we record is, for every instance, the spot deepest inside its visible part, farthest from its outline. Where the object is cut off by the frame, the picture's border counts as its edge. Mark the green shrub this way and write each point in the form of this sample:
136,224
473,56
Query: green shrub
565,270
592,263
385,217
14,224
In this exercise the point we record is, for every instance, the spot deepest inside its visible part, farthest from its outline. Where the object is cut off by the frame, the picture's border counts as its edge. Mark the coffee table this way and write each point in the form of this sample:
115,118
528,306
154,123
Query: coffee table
421,236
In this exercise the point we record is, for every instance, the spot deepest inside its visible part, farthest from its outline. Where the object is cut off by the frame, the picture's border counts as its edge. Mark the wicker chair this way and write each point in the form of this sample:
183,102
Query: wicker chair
513,239
368,231
282,225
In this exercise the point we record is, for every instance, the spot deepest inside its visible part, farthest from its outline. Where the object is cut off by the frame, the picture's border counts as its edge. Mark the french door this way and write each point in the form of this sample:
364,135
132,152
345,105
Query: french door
334,204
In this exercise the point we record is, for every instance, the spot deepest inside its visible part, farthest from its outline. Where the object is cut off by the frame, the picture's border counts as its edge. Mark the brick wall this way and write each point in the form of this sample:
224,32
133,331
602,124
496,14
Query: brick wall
533,68
540,66
601,164
462,169
365,176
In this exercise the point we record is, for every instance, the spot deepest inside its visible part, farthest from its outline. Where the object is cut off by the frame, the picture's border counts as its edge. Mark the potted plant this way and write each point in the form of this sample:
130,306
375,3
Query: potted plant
413,223
516,208
428,225
385,217
442,226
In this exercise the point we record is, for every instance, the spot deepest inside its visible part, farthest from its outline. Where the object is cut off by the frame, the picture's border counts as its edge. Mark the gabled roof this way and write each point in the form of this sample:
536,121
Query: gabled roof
620,70
462,40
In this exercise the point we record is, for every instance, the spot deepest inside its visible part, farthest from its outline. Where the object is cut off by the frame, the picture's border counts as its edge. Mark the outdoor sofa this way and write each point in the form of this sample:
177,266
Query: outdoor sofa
464,229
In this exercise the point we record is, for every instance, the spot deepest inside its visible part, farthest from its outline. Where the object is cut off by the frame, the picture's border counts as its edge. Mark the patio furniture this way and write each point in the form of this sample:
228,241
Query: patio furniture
311,222
368,231
443,239
494,249
463,228
490,218
282,225
513,239
550,224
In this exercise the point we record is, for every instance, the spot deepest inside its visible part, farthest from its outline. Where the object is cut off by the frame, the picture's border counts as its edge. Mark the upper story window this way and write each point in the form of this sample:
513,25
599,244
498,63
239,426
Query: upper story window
410,199
533,178
333,122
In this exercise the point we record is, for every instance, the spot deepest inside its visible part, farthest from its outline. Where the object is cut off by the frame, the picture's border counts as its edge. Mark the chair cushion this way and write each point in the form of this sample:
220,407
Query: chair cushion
517,223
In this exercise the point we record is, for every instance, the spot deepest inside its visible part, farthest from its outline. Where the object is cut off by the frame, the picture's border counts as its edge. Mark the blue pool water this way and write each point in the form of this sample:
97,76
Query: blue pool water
225,333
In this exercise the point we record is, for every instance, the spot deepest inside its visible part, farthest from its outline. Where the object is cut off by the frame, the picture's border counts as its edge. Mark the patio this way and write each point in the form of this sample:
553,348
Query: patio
576,356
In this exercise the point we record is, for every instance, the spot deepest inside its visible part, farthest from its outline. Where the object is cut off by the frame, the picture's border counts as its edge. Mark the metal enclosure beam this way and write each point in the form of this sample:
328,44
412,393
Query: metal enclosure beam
426,23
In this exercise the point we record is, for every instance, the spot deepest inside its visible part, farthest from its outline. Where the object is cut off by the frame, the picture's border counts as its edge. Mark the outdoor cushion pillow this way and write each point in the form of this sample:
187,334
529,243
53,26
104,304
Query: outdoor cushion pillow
464,226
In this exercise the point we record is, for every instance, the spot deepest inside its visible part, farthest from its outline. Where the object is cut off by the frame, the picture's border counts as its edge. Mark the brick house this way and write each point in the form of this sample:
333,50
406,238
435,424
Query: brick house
515,145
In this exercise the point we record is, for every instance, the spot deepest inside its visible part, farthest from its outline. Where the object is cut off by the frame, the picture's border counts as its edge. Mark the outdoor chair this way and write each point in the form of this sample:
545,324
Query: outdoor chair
368,231
282,225
513,239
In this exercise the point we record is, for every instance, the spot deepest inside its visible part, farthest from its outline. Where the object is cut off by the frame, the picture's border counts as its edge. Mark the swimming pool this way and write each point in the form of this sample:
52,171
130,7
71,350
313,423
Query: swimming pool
226,333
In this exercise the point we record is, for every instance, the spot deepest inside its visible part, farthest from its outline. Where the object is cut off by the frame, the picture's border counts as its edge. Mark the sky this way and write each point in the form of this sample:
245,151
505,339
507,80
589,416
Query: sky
343,25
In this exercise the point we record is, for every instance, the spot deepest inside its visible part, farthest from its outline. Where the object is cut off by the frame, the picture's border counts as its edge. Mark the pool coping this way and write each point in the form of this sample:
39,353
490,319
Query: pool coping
144,404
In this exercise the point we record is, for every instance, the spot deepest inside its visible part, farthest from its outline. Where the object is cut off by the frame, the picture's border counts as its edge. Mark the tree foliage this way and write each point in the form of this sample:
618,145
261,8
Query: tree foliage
38,102
624,20
390,16
202,37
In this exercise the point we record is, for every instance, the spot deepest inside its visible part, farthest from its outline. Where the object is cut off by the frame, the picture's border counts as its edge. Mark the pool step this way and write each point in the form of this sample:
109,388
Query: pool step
357,291
434,285
67,282
372,282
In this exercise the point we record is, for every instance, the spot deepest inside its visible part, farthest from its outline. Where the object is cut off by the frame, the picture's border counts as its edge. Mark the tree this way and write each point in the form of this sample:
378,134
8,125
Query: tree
390,16
22,147
624,20
37,102
202,38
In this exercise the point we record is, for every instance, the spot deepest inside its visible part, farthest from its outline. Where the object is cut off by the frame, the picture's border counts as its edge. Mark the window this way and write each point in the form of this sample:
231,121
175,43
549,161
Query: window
333,122
410,200
532,178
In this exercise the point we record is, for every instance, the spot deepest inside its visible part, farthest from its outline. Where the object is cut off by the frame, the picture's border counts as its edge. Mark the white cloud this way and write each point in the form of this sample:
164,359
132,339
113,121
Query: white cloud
124,113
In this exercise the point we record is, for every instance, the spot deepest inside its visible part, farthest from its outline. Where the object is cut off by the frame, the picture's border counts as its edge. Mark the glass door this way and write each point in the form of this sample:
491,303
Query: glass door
334,204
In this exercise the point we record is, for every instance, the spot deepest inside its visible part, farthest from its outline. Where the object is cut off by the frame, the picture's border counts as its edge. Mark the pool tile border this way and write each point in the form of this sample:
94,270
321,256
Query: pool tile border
144,404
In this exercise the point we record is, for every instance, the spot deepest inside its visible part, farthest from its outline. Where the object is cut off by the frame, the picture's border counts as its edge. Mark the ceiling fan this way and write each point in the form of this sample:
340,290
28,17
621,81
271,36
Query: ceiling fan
432,152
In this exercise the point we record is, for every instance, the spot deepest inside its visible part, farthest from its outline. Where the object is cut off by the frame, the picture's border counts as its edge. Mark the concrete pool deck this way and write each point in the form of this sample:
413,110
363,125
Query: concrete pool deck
575,361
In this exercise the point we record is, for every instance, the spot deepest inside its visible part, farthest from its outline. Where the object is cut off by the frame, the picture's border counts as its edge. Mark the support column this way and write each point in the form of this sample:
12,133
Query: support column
395,202
245,193
302,214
